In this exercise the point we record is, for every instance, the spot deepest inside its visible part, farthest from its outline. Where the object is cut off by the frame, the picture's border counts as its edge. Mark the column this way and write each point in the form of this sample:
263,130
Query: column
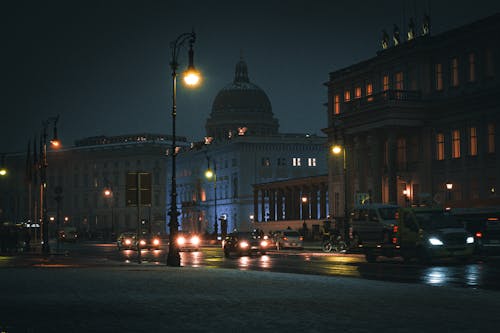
256,205
392,176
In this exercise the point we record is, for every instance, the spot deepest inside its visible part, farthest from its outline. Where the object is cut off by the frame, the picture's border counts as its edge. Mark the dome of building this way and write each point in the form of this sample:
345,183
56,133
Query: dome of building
241,108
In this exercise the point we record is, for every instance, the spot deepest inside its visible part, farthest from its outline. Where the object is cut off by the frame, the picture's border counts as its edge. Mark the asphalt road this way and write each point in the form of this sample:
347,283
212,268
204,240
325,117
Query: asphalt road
480,273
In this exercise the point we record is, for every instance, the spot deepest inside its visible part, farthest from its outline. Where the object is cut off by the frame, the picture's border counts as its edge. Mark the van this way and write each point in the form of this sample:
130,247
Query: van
370,222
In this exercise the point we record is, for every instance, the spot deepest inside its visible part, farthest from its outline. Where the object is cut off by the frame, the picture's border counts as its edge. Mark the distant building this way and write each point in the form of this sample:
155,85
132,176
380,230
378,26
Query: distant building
417,116
83,172
244,147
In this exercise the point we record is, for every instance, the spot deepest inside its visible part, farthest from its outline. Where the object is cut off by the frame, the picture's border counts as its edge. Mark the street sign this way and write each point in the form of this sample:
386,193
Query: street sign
138,186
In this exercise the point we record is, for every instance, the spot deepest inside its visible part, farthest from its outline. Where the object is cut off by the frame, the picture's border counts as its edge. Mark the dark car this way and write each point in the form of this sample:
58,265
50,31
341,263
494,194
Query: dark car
127,240
188,241
484,225
244,243
149,241
68,235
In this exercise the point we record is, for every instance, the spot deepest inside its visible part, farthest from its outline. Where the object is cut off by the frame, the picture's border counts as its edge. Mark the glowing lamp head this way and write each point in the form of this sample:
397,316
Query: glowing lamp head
336,149
107,193
3,172
55,143
209,174
192,77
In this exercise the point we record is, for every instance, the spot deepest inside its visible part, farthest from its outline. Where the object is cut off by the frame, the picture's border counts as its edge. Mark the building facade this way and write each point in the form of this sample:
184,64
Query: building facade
243,147
419,115
87,184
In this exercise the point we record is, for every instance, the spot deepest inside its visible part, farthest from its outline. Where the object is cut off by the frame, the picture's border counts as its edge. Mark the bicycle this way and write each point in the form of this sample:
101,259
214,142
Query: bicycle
335,243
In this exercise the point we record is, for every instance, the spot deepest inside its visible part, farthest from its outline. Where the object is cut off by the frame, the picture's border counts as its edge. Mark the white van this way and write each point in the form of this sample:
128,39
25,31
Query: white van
371,221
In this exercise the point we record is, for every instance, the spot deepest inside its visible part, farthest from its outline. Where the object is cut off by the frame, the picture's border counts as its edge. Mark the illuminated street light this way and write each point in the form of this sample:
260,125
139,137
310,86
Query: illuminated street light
173,257
108,194
43,179
209,174
337,150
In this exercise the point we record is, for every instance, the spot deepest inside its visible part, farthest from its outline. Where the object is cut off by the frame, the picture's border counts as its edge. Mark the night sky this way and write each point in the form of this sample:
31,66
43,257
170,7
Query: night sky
104,66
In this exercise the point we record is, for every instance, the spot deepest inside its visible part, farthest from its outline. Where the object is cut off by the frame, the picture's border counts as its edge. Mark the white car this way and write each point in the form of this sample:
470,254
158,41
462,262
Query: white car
289,239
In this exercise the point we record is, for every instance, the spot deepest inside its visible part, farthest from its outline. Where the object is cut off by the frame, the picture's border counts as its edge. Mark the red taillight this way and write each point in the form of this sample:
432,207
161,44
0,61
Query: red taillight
394,240
479,234
395,229
285,238
301,238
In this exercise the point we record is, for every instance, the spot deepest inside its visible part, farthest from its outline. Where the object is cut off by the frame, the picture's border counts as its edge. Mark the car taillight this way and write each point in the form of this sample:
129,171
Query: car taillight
285,238
479,234
301,238
395,229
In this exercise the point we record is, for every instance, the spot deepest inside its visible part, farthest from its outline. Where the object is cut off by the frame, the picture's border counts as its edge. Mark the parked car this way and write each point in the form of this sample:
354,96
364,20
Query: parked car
288,239
127,240
188,241
244,243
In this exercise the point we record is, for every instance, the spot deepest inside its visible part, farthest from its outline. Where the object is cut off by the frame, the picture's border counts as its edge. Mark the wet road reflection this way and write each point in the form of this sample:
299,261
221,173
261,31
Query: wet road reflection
477,274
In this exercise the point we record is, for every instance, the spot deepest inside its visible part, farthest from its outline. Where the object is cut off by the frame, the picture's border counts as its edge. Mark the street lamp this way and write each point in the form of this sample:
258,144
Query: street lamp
192,78
108,194
449,187
43,178
209,174
337,150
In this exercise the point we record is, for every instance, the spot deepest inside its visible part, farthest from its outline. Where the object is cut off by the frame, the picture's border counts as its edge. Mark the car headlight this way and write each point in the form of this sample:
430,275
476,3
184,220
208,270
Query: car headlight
128,242
142,242
181,240
263,243
195,240
156,241
469,240
435,241
243,244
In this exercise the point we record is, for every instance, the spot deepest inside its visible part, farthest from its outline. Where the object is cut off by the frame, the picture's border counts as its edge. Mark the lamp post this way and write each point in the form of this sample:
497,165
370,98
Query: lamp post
191,78
209,174
337,150
43,179
449,187
108,194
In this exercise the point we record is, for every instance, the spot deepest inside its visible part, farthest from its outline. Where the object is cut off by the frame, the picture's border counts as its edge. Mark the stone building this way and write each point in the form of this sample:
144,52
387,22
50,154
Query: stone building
244,147
417,116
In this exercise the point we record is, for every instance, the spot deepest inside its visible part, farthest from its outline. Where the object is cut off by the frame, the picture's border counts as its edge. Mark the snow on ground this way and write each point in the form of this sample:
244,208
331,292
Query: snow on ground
167,299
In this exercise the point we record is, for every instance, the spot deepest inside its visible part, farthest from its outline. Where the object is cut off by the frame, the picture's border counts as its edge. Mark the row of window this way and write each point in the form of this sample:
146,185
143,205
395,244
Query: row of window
471,76
472,142
296,161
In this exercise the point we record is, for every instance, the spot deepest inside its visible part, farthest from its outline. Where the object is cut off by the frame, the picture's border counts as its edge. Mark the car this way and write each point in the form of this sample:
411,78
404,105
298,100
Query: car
288,239
244,243
484,225
151,242
68,235
127,240
188,241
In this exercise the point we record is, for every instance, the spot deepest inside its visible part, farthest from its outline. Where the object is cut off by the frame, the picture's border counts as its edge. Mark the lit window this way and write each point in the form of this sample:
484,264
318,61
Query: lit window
347,96
311,161
440,146
472,141
454,72
438,71
296,161
369,91
472,67
399,81
357,92
385,82
455,144
491,138
336,107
